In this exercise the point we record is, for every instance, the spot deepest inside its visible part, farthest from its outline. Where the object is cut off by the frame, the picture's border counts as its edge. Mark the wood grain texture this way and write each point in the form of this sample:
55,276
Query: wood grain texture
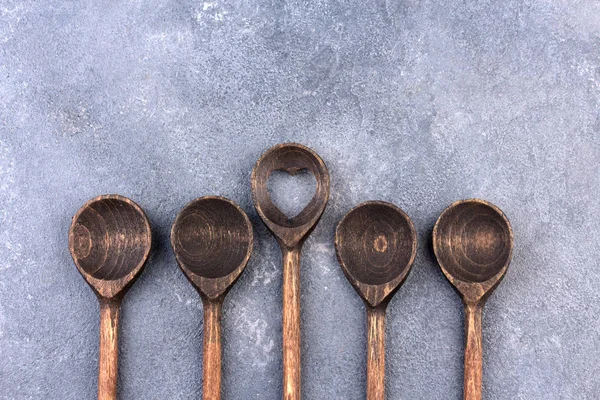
110,240
212,240
212,351
473,242
290,234
109,349
376,245
376,353
473,352
290,158
291,324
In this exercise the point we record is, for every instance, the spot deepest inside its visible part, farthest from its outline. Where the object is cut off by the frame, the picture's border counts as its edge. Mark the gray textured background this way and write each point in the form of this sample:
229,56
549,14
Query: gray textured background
416,102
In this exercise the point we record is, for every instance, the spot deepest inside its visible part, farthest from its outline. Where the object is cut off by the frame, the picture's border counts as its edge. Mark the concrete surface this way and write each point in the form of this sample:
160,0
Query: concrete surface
416,102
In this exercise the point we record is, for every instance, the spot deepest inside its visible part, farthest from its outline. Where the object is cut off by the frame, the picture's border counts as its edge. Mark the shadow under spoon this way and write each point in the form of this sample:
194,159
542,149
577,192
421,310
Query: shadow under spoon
473,241
376,244
109,240
212,241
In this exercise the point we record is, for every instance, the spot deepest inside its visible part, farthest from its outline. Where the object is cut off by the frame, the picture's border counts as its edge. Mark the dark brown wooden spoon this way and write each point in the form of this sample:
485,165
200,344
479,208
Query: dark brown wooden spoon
212,241
376,245
110,240
473,241
291,234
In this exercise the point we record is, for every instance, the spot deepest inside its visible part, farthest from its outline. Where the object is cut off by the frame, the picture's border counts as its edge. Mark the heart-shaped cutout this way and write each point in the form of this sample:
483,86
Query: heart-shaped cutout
291,191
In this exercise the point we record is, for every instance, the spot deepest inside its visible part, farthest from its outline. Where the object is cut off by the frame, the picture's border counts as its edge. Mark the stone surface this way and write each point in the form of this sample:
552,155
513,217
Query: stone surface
416,102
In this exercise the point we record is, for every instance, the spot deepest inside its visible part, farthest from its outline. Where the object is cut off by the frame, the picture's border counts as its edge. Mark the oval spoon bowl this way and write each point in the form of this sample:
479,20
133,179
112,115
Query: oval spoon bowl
212,237
212,241
110,240
472,241
290,158
376,243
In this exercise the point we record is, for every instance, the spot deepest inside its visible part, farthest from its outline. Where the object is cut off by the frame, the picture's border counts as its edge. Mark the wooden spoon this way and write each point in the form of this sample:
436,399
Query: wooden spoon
291,234
212,241
473,242
110,240
376,244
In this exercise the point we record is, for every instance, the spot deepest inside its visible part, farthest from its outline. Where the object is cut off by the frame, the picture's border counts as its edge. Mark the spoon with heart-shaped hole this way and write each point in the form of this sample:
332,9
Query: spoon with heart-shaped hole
291,234
376,244
473,241
212,241
110,240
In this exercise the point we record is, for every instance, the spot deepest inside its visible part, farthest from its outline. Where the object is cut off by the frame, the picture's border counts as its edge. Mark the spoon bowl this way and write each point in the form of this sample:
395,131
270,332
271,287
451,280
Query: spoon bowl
473,241
212,241
110,240
376,244
291,158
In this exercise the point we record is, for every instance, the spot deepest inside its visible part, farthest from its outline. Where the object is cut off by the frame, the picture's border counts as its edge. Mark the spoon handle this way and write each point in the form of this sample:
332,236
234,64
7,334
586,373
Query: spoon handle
291,323
473,351
109,349
375,353
212,350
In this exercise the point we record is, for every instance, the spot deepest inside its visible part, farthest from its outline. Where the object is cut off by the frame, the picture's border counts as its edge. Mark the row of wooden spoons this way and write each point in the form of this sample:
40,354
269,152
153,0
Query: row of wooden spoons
376,243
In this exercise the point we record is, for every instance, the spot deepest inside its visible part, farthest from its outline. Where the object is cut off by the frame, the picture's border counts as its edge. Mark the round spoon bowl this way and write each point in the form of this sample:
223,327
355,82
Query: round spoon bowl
212,237
109,238
472,241
376,242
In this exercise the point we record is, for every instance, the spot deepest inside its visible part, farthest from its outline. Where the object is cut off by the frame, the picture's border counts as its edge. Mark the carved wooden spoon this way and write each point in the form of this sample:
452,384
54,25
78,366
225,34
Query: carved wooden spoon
110,240
376,244
212,241
291,234
473,242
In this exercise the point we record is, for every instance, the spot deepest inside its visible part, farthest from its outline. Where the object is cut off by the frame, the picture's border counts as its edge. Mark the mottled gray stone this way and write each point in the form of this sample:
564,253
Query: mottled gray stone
416,102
